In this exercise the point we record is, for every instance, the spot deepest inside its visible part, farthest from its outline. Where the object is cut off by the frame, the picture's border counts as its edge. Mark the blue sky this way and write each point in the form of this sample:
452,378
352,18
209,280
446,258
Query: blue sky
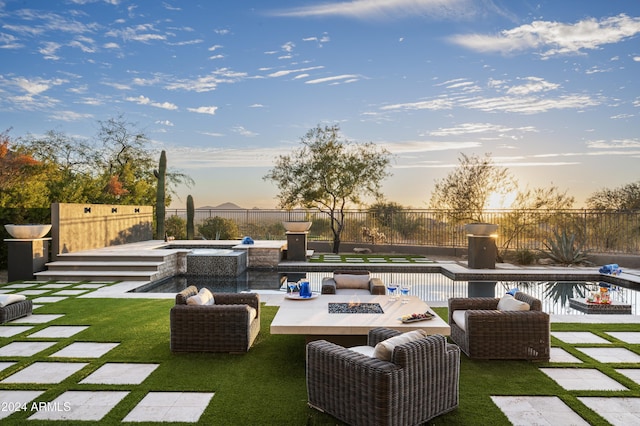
549,88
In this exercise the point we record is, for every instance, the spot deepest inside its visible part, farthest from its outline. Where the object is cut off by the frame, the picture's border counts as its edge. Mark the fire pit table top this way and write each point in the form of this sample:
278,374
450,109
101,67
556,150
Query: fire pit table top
312,317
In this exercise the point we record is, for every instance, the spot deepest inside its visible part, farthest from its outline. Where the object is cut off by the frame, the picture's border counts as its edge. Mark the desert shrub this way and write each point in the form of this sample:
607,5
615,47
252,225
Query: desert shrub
218,228
175,226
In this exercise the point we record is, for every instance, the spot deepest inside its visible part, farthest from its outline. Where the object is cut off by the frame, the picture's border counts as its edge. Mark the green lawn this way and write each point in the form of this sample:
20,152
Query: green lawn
266,386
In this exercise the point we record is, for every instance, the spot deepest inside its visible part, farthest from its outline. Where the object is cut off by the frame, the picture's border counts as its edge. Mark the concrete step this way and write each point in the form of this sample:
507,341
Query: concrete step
104,265
109,276
125,257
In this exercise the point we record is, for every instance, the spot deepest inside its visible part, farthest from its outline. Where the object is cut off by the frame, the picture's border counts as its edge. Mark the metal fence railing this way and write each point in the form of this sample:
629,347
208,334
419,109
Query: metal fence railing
597,230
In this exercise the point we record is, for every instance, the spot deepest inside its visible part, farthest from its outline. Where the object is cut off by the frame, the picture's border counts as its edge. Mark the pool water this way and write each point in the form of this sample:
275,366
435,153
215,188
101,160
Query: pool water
430,287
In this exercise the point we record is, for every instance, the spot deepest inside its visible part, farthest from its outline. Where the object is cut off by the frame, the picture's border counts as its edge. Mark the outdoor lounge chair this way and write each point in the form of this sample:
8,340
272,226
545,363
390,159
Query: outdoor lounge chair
352,281
225,326
15,310
420,382
483,331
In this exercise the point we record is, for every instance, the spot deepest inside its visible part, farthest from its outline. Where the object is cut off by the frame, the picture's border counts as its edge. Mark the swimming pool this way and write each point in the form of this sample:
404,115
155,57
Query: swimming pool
430,287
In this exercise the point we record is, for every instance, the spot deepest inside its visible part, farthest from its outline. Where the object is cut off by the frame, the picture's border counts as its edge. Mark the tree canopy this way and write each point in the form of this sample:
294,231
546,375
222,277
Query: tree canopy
625,197
466,191
115,167
330,174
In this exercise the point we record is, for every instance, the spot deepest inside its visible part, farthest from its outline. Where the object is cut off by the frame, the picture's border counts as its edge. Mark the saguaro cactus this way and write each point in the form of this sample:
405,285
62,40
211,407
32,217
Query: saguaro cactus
190,217
161,195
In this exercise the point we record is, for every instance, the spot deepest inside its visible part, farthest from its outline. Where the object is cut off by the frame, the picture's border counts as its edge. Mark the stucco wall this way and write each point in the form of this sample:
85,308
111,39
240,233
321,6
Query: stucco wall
77,227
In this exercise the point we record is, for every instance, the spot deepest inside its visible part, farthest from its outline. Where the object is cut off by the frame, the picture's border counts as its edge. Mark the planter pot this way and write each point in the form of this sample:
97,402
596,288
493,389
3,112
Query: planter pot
27,232
480,228
297,226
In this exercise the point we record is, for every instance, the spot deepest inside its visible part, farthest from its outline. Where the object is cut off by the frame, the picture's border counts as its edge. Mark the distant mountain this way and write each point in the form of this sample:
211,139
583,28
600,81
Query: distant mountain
223,206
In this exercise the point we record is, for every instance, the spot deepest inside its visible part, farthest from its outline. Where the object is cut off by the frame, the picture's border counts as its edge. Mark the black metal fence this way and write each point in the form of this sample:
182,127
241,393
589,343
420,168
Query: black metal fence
597,230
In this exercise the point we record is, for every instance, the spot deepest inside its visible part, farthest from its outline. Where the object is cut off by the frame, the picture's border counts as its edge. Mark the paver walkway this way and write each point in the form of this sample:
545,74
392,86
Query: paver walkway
159,406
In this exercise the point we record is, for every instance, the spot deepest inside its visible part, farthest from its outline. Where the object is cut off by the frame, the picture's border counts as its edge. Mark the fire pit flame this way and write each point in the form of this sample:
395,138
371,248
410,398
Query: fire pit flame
354,303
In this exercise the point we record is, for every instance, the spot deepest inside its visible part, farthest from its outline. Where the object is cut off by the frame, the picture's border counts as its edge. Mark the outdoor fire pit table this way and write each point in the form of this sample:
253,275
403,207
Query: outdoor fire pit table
614,307
314,319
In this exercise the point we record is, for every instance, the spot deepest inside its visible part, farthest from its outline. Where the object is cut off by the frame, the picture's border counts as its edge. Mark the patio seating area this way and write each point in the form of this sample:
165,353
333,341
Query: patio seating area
129,373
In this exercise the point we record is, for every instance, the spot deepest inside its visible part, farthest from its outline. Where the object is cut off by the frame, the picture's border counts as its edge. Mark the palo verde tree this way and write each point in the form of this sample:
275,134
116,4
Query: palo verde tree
329,174
466,191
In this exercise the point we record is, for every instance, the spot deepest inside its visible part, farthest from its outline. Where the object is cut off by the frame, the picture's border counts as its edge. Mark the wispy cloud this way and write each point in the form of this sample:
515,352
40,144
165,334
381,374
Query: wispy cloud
615,144
143,100
70,116
283,73
243,132
211,110
477,128
385,9
143,33
554,38
336,79
209,82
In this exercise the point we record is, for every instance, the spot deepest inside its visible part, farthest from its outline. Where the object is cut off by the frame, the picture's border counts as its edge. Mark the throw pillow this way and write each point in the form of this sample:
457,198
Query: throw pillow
206,296
351,281
510,303
384,349
7,299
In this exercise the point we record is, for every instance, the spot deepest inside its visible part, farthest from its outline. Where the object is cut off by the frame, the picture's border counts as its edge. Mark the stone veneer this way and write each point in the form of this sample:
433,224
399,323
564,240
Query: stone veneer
229,264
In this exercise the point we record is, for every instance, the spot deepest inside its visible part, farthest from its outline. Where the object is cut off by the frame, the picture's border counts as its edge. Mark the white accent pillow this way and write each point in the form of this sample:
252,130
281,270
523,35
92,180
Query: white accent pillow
459,317
351,281
7,299
510,303
384,349
364,350
204,297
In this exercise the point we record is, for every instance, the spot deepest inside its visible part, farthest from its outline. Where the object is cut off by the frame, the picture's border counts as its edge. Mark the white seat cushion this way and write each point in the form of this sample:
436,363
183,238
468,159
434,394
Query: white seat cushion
510,303
364,350
354,291
384,349
253,313
7,299
460,319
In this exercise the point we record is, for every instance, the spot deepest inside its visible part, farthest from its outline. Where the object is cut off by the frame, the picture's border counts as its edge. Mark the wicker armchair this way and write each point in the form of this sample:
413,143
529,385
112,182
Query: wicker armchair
332,286
493,334
420,382
221,327
15,310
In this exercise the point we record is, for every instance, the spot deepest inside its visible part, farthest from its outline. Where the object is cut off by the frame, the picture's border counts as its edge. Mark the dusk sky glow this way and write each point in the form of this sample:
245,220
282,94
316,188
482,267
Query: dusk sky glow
549,88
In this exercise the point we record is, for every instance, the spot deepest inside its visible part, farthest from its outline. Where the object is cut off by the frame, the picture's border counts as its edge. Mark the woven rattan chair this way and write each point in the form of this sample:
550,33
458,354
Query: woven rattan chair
331,286
493,334
221,327
15,310
420,382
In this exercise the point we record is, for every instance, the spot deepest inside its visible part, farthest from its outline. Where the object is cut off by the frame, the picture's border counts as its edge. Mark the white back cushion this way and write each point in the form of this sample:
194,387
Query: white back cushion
510,303
384,349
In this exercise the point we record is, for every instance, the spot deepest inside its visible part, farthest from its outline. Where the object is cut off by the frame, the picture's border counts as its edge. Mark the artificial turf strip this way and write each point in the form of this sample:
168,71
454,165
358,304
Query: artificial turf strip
266,386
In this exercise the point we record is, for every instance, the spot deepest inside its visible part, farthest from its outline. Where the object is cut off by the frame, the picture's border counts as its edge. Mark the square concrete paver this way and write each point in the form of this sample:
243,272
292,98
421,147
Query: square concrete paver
617,411
19,285
632,373
45,372
36,319
5,365
609,355
33,292
81,405
170,407
582,379
13,330
16,400
121,374
84,350
537,410
55,285
48,299
69,292
59,331
578,337
626,336
24,348
90,286
560,355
